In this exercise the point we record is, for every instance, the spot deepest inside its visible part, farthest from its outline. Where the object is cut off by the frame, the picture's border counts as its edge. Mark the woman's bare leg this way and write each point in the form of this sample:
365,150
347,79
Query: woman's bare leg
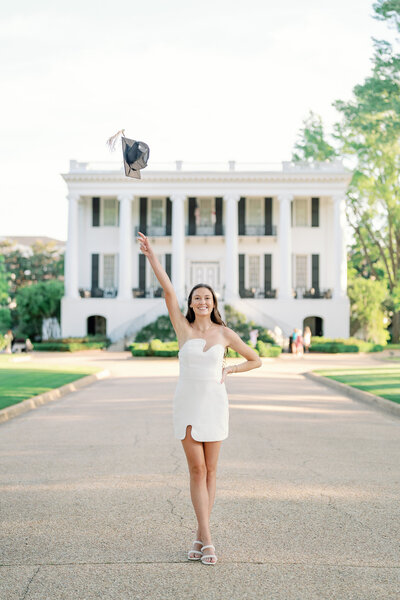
202,460
198,483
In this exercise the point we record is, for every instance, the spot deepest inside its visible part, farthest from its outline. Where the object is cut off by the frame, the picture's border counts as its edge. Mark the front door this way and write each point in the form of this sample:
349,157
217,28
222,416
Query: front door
205,272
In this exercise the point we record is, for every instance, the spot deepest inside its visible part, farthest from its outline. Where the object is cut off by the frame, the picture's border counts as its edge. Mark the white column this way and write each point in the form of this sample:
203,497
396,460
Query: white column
285,247
339,246
178,246
231,248
125,248
71,253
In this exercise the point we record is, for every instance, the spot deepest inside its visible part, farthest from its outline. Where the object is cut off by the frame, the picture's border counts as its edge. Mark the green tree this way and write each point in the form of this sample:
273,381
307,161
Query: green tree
42,263
367,297
36,302
4,283
369,134
311,144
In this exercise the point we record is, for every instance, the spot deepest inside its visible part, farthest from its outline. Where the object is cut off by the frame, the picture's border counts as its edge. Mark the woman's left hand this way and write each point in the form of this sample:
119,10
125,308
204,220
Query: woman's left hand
226,371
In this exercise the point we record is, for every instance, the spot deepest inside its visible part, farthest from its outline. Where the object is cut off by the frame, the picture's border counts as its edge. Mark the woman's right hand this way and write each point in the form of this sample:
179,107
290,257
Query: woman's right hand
145,246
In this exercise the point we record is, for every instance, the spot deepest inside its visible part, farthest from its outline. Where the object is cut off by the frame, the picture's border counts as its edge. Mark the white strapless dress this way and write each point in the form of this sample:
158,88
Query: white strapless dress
200,398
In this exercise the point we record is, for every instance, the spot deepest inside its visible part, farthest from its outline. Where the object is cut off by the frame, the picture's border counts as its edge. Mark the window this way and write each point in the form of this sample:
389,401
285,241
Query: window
205,215
108,271
110,212
154,283
254,271
254,213
157,212
301,212
301,271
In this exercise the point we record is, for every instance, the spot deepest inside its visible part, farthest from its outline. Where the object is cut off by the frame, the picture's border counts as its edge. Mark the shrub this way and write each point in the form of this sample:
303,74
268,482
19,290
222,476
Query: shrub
73,344
5,319
161,329
139,349
238,322
336,346
268,350
3,342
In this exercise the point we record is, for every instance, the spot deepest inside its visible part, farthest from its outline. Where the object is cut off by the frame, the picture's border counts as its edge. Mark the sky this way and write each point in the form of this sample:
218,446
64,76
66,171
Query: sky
206,81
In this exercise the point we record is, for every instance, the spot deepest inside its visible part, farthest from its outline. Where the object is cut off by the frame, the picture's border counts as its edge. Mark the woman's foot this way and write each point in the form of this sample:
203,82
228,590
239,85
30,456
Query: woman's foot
209,553
196,553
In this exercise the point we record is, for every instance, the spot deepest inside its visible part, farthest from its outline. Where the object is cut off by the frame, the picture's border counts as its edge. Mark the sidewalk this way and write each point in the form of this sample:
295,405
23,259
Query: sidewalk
96,504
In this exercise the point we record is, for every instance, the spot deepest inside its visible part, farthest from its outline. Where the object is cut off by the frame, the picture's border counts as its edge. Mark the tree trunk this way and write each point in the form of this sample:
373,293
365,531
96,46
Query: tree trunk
396,327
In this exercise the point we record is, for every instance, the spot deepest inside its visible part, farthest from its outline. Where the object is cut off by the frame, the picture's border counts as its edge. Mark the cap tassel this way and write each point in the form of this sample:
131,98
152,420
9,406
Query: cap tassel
112,141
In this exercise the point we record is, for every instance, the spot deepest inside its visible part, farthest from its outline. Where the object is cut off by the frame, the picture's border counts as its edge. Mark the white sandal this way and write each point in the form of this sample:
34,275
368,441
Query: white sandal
195,551
207,562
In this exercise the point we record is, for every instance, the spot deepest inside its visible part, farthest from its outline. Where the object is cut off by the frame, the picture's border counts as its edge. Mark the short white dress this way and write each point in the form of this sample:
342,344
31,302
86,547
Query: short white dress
200,398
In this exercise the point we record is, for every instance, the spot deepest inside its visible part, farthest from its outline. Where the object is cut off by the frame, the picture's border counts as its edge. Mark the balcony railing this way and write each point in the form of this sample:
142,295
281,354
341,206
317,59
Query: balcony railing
256,293
98,292
302,293
259,230
151,292
204,230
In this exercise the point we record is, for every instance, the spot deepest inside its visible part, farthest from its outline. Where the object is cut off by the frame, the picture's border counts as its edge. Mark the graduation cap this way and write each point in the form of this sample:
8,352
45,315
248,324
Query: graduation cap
135,154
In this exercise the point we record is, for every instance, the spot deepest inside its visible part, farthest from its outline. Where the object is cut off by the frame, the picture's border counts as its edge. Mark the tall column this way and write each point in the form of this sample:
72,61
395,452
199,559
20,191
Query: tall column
339,246
71,254
231,248
125,247
178,246
285,247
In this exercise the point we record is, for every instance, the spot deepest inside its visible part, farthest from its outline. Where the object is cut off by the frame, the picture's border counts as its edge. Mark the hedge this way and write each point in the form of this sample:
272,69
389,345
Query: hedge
159,348
339,345
72,344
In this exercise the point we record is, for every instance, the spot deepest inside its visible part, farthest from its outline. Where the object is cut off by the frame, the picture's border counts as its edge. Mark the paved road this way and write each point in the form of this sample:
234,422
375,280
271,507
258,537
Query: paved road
95,500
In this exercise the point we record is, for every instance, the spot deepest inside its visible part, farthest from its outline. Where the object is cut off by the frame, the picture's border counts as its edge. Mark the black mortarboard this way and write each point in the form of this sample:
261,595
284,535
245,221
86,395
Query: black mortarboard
135,154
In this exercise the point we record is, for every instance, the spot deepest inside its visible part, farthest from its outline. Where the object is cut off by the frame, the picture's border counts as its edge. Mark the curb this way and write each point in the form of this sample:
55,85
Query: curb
375,401
17,409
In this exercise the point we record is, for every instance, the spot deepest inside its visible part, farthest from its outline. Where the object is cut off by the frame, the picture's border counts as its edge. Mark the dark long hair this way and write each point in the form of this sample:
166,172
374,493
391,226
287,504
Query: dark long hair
215,315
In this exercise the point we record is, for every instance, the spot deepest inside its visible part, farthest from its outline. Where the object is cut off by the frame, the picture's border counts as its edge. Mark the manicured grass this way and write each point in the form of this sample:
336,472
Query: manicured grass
19,381
384,381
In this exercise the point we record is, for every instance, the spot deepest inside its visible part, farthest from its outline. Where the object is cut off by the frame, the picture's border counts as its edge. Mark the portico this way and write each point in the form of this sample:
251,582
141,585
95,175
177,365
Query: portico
267,238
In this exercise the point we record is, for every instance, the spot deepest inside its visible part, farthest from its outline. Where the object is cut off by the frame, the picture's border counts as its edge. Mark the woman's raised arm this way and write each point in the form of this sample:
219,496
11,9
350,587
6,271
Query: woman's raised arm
177,319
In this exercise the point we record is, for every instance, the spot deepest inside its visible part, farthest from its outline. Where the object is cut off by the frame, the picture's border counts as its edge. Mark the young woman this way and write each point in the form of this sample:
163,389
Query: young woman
200,406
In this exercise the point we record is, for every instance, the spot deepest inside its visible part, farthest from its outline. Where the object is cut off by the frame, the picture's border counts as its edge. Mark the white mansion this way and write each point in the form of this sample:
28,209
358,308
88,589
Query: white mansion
270,242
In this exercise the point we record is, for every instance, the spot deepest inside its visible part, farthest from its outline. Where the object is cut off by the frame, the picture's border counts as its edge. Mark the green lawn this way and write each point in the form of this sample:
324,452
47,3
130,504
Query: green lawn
384,381
19,381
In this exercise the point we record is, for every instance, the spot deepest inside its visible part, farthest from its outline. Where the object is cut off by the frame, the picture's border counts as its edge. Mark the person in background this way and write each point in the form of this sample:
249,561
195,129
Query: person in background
307,338
293,342
299,343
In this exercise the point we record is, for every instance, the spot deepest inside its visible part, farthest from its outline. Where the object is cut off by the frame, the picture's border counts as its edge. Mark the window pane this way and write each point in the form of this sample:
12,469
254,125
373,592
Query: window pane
110,213
154,283
205,209
301,212
156,212
254,272
109,270
301,271
254,211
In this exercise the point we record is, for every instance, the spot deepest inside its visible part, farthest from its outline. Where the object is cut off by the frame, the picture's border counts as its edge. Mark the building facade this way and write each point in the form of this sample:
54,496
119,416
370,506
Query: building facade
270,242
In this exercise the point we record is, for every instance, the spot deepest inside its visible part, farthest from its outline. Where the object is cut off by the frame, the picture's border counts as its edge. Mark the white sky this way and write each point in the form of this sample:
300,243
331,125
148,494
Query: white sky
215,80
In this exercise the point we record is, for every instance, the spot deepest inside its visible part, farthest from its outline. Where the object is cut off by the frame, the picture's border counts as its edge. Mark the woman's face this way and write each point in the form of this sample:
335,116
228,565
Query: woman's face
202,302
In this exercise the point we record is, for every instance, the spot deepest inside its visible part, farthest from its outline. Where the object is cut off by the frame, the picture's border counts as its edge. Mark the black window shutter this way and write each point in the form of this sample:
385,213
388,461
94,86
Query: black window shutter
267,272
315,271
168,217
314,212
95,212
218,216
241,273
95,271
168,265
192,218
143,215
268,215
142,272
241,216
